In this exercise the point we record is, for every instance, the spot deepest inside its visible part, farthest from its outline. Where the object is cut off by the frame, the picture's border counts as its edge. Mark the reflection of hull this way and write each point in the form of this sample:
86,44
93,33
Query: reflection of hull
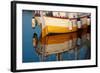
57,43
60,43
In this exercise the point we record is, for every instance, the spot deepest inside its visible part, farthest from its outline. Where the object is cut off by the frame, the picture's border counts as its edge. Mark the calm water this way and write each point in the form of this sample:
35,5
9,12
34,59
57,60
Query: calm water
71,46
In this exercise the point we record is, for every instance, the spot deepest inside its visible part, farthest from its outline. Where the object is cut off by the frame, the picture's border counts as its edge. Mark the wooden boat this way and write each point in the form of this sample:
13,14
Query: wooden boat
56,25
59,22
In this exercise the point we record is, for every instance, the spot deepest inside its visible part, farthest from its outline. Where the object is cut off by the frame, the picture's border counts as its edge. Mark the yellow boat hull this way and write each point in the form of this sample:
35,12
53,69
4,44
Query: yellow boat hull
57,29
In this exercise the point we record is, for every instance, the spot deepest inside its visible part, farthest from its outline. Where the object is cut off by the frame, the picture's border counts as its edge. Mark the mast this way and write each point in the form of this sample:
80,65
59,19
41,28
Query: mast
42,19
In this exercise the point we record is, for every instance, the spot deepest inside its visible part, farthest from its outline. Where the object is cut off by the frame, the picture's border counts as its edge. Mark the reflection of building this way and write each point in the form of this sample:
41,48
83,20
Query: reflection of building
60,22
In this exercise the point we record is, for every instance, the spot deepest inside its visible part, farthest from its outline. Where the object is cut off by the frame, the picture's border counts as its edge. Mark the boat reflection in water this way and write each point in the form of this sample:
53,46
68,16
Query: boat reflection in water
69,46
